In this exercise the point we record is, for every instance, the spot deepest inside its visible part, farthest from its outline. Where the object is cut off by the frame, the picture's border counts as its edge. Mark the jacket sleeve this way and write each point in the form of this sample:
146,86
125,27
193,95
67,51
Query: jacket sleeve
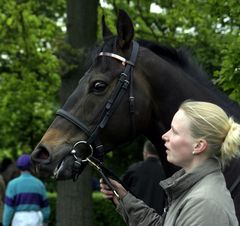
202,212
7,215
8,209
136,213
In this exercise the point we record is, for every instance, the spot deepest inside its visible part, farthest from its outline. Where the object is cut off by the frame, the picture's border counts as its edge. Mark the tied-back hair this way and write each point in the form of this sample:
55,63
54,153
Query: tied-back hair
210,122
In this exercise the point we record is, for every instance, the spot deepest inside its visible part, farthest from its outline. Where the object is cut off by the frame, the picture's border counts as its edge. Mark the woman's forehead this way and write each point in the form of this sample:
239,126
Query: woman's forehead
180,121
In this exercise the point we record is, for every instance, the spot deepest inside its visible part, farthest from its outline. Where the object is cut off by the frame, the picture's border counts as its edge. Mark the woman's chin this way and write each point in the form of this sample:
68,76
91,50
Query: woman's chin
169,159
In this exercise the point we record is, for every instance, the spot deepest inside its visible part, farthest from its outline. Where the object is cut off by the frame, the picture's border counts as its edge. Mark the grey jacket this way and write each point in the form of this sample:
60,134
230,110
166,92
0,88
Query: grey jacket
198,198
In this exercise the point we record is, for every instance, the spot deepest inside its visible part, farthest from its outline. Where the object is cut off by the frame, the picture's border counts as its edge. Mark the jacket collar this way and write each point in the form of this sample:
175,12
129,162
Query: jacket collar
181,181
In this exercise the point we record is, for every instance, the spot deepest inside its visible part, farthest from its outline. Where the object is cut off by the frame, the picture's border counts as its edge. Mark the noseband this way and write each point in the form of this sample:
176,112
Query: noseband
125,80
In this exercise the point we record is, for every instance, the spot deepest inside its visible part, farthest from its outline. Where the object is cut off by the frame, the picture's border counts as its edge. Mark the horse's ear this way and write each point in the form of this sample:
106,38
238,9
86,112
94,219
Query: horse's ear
105,30
125,29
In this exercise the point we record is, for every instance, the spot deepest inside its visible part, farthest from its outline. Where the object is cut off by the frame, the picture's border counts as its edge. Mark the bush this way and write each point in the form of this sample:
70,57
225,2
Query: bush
104,212
52,198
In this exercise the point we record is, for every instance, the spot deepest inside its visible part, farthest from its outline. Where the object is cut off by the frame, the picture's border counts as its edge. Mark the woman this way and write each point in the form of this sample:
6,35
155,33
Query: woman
202,140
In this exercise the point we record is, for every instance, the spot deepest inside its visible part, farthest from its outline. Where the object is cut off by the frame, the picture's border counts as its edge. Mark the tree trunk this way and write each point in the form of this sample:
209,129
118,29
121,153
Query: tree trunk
74,202
82,22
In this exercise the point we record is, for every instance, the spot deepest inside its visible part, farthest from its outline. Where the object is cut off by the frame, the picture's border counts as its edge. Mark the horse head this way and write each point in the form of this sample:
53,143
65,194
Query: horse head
103,102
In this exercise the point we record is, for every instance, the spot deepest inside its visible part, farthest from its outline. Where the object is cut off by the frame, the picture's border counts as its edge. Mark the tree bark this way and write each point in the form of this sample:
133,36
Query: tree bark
81,22
74,201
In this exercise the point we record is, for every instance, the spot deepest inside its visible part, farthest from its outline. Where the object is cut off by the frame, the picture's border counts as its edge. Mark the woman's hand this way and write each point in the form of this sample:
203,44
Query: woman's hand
109,194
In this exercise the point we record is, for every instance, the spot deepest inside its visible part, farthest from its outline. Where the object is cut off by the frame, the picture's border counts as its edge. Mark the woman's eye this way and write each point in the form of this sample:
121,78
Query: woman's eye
173,131
99,86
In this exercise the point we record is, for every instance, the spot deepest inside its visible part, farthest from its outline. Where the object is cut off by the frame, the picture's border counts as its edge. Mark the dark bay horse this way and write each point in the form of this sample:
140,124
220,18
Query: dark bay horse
131,88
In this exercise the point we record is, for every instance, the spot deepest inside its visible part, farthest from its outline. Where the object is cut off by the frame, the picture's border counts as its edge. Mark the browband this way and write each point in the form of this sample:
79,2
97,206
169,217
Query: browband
117,57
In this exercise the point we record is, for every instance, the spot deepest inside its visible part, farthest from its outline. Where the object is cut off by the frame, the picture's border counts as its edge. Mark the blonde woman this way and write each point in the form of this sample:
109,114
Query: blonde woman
202,140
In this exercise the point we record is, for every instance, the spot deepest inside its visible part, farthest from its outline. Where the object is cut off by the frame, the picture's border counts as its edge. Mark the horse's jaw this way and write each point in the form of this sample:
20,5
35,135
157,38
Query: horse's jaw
62,171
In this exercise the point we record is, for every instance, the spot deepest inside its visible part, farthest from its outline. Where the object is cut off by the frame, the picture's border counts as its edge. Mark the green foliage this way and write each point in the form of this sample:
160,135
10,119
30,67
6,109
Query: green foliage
229,74
52,199
29,72
104,212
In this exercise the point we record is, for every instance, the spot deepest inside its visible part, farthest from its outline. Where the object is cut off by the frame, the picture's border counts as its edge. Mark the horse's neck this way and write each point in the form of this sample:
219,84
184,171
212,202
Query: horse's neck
170,86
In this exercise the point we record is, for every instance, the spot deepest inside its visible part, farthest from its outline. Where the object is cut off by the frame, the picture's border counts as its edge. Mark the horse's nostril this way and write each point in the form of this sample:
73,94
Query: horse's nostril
43,154
40,155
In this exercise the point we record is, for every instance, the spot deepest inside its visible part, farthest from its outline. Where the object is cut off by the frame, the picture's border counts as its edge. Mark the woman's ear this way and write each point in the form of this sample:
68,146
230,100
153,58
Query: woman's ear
200,146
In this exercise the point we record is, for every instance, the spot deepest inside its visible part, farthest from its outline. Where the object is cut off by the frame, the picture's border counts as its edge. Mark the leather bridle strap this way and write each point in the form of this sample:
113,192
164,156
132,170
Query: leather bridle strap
112,103
73,120
119,91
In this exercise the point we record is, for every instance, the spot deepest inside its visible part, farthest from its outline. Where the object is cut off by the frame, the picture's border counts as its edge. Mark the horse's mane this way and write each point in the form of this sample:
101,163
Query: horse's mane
183,58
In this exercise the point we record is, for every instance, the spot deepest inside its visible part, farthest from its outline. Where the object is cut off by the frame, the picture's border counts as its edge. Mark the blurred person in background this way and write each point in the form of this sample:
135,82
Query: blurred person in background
142,178
8,171
26,202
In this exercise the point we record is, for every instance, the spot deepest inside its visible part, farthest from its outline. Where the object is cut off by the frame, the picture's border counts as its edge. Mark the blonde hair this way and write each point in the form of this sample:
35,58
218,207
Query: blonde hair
210,122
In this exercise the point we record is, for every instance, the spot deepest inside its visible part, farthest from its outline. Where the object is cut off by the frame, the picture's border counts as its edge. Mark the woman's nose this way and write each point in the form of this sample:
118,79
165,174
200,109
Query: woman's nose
165,136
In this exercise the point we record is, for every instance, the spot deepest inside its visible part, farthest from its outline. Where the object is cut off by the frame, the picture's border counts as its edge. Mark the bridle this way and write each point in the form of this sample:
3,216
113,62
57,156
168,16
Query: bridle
125,81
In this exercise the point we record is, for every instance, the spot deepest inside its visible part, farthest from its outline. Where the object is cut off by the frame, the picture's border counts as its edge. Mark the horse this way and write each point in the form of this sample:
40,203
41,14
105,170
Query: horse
132,88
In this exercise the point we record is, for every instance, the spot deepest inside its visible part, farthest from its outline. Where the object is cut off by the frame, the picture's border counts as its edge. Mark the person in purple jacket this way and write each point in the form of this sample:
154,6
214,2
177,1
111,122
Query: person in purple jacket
26,201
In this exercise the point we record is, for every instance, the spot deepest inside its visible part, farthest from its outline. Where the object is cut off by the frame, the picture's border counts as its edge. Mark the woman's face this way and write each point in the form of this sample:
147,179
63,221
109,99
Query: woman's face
179,142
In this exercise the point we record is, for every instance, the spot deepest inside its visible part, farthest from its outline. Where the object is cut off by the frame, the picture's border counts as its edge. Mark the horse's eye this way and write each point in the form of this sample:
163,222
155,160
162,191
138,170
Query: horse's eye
99,86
